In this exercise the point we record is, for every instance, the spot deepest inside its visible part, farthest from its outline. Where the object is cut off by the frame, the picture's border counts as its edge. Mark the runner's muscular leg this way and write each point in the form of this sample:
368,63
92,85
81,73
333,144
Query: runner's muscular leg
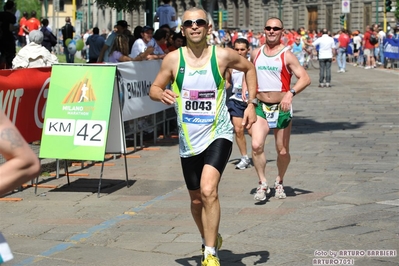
240,137
196,209
260,129
211,206
282,138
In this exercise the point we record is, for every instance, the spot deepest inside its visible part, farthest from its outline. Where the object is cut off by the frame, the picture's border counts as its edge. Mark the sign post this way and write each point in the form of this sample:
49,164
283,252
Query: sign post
77,123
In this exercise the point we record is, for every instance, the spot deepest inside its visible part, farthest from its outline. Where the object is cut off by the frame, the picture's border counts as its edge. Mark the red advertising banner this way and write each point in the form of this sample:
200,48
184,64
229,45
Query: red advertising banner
23,96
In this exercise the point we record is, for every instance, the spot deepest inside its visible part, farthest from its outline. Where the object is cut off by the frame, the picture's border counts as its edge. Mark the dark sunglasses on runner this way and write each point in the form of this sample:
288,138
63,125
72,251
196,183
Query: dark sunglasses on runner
268,28
199,22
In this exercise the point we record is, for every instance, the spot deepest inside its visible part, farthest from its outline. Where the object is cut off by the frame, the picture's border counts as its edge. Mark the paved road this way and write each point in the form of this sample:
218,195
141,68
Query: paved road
343,195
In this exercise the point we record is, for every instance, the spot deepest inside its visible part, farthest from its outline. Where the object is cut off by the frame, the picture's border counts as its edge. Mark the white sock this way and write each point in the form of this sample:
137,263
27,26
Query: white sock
245,156
209,250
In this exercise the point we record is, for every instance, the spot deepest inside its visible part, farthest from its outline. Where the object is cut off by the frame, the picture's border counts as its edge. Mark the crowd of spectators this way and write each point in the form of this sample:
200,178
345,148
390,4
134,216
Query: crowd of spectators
351,46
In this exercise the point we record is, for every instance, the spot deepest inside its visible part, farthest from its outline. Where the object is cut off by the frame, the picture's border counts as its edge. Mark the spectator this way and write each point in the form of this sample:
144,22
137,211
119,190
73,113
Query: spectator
7,41
326,53
357,48
368,48
178,41
141,45
165,14
158,40
343,43
381,37
34,54
49,40
120,51
67,33
21,32
85,49
119,28
164,45
32,24
95,43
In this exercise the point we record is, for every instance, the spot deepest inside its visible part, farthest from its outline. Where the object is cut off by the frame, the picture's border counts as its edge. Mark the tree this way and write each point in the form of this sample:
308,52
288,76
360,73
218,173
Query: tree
29,6
123,5
397,10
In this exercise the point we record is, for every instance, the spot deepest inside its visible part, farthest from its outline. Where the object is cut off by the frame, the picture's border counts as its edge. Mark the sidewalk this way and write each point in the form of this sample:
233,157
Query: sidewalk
342,195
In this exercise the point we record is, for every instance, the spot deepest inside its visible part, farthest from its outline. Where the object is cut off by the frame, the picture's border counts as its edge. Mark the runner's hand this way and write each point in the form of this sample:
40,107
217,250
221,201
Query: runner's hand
168,97
249,116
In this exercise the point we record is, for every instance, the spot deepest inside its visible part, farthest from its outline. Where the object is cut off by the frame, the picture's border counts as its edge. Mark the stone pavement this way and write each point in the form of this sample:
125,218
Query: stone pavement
342,187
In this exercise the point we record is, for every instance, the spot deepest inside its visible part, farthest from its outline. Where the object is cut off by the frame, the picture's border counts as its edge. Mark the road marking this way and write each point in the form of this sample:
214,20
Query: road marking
95,229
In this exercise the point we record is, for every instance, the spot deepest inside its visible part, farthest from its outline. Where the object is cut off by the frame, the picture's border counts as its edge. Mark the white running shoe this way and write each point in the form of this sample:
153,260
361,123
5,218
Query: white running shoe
279,191
243,164
261,192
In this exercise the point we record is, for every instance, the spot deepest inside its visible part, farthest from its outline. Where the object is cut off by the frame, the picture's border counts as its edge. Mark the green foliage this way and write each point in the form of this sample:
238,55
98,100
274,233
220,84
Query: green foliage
122,5
397,10
29,6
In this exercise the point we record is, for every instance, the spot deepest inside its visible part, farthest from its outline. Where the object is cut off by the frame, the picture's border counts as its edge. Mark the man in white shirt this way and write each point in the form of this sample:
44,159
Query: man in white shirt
381,38
140,45
326,51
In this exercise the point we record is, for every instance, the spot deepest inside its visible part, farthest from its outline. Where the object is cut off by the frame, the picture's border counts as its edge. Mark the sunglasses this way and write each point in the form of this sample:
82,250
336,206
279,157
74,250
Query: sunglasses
268,28
199,22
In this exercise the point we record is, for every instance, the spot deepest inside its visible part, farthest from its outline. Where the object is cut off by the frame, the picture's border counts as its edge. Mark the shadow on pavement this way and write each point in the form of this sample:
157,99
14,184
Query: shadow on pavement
303,125
289,191
91,185
227,257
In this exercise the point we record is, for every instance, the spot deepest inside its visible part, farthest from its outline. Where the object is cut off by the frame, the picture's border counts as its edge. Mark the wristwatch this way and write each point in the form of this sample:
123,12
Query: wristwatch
254,102
293,92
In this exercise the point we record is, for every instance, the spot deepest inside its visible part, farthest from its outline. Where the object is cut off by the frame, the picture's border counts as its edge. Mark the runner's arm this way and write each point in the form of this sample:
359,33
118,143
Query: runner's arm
21,163
158,91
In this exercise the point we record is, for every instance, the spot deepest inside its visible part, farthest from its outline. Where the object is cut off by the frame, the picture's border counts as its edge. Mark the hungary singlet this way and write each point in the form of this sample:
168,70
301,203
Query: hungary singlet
271,71
201,110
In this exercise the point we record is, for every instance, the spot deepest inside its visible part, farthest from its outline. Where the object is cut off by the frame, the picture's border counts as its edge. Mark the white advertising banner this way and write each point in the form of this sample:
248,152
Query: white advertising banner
346,6
135,79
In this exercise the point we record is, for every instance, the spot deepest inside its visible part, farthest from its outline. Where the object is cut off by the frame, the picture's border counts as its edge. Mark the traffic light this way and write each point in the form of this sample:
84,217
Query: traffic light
342,19
388,5
215,15
224,15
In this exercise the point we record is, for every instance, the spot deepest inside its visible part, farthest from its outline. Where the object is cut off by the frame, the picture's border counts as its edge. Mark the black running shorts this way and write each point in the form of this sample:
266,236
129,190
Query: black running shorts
217,155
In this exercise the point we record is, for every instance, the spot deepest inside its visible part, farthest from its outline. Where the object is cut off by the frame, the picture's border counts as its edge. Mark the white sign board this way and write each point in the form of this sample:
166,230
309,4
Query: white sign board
346,6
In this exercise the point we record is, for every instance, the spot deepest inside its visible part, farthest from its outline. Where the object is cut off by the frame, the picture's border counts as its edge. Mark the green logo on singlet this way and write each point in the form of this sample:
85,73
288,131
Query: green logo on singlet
199,72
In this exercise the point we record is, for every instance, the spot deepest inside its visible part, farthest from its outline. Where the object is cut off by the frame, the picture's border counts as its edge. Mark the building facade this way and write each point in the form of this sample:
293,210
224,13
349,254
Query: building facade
237,14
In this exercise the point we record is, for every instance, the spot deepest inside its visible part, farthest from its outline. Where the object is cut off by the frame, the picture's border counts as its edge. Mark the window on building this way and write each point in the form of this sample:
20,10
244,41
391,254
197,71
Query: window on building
329,17
295,18
247,14
349,21
62,5
367,14
312,18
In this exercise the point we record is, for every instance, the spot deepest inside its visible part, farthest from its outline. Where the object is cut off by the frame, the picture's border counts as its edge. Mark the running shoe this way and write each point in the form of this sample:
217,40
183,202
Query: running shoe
219,242
210,260
279,191
261,192
243,164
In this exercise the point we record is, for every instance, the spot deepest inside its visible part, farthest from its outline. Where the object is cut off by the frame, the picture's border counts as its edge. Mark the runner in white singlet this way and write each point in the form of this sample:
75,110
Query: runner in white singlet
197,73
274,65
